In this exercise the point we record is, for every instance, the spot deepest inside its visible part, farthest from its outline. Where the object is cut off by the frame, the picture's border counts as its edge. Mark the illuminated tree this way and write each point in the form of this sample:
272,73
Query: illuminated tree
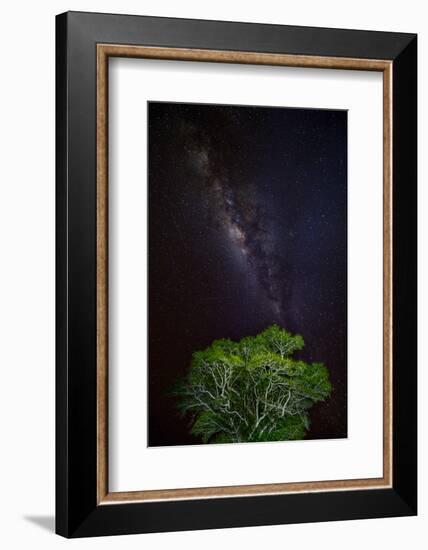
252,390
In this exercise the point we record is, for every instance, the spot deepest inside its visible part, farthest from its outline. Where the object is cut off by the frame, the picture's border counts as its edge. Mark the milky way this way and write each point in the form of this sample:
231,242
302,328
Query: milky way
236,209
247,227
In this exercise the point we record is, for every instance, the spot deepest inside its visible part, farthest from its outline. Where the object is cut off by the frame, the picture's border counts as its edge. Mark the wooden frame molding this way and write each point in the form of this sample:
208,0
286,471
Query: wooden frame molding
104,51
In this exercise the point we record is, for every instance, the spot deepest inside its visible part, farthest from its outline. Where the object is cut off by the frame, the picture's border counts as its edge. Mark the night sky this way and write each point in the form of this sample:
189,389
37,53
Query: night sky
247,227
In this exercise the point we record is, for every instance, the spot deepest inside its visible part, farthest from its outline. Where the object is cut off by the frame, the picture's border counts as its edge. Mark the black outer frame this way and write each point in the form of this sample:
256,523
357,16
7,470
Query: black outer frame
77,513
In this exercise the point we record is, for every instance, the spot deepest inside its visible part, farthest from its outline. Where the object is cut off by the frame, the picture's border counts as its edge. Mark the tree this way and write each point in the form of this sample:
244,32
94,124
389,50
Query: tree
252,390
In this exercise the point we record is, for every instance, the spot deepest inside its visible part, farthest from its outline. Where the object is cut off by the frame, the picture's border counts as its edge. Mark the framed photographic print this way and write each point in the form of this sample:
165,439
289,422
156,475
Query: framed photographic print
236,274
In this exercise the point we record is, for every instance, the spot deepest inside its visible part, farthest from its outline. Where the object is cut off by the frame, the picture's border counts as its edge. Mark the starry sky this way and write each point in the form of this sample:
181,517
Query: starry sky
247,227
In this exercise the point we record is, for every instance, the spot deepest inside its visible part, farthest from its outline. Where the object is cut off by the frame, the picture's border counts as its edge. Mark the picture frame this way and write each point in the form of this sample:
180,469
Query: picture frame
84,44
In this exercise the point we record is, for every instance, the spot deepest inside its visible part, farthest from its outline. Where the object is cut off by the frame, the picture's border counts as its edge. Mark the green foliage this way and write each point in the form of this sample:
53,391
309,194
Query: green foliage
252,390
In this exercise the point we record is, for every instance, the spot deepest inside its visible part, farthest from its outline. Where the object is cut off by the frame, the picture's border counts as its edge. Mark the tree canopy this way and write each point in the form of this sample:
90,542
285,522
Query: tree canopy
252,390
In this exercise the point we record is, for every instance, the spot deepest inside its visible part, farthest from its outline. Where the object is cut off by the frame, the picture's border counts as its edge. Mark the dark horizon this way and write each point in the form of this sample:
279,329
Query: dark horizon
247,227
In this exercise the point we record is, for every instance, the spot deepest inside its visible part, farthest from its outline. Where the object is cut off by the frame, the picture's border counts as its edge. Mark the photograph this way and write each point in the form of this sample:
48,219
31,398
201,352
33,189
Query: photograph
235,271
247,271
212,301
